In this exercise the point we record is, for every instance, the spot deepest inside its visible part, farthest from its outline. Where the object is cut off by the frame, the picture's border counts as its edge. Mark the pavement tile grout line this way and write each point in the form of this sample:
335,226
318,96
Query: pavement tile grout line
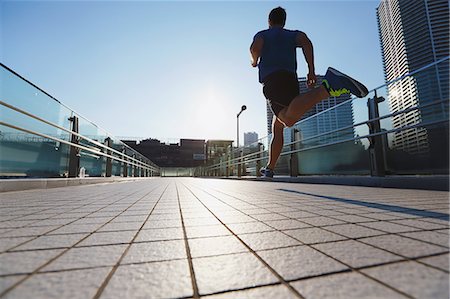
39,220
66,224
355,223
350,267
124,253
330,217
277,275
231,254
188,250
64,251
282,208
319,198
47,233
56,206
382,233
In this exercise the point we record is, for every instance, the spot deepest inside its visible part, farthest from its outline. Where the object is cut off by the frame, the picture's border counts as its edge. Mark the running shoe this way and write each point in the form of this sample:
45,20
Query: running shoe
266,172
338,83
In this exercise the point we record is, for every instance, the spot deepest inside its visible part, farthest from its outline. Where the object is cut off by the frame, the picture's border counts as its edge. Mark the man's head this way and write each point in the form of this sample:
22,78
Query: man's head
277,17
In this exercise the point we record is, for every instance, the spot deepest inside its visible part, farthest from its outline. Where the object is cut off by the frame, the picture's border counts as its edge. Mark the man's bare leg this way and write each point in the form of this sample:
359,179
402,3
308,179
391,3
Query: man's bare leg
301,104
276,144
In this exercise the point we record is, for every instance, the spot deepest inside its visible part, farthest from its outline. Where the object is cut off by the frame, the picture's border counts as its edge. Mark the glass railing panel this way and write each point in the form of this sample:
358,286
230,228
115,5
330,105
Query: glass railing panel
426,153
33,120
327,140
129,152
91,160
265,145
251,153
116,168
26,154
283,163
350,157
344,122
22,95
419,144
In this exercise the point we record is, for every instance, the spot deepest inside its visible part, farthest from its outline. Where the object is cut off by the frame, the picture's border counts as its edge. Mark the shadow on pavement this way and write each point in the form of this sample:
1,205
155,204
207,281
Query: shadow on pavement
391,208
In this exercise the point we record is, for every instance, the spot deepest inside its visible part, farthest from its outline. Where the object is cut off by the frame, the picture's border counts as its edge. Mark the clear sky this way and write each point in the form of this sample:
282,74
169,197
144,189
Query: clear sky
174,69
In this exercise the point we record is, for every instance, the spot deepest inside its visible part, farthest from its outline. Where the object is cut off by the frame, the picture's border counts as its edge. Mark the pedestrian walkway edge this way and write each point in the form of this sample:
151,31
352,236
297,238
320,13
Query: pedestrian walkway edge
422,182
7,185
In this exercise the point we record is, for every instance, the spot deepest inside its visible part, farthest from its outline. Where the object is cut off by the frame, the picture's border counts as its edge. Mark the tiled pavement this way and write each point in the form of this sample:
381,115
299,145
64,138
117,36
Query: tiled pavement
183,237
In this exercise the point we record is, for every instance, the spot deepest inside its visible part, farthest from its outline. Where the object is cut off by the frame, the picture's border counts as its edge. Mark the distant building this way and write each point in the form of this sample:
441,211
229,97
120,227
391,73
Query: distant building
412,35
216,148
188,153
250,138
192,152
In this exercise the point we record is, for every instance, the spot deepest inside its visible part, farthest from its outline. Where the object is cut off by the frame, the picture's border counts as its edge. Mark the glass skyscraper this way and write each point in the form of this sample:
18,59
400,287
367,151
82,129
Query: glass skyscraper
414,34
325,122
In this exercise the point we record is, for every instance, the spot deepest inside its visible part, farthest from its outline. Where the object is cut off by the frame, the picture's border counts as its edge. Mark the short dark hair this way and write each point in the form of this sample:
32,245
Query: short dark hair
278,16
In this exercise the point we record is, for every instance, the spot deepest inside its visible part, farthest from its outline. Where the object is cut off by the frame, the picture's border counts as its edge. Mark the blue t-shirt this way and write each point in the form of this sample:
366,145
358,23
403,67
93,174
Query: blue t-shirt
279,51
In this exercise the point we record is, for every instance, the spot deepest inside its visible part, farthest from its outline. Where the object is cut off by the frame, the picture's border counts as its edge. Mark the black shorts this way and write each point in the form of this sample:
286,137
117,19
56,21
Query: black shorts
280,88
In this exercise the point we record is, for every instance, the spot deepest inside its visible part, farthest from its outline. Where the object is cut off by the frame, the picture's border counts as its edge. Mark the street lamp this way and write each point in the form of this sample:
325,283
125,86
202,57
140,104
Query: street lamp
242,109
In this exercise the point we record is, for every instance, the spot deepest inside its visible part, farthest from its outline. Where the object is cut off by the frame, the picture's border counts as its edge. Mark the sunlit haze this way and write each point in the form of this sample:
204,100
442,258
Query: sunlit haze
174,69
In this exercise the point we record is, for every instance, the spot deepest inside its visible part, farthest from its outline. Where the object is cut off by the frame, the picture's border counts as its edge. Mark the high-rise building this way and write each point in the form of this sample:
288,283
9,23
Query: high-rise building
326,122
414,34
250,138
332,120
269,114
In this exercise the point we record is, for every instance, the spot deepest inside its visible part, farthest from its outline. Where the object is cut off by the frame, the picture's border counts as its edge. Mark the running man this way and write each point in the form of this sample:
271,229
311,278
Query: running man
273,51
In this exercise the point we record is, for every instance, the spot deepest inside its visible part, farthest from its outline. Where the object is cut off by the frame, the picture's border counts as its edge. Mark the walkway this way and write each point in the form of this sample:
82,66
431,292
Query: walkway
183,237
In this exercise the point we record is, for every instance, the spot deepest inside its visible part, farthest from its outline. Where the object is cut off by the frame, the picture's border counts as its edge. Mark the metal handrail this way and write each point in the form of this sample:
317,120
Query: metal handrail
369,135
413,72
371,120
65,129
59,102
242,159
146,166
347,127
373,90
332,143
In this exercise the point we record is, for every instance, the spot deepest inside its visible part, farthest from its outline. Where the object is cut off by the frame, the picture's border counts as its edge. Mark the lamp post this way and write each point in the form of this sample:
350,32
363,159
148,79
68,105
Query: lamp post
242,109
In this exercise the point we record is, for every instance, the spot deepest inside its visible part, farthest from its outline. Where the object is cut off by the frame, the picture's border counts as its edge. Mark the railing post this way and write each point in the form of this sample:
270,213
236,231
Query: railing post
108,143
243,168
124,165
293,163
239,170
227,158
74,153
376,148
135,170
258,157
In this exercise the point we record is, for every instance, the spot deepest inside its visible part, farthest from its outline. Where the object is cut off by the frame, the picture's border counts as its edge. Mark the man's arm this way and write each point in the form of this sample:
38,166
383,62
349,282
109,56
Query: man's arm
305,43
255,50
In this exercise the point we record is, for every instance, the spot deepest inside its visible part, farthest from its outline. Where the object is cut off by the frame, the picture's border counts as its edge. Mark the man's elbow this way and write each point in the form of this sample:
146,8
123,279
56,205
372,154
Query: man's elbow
256,46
